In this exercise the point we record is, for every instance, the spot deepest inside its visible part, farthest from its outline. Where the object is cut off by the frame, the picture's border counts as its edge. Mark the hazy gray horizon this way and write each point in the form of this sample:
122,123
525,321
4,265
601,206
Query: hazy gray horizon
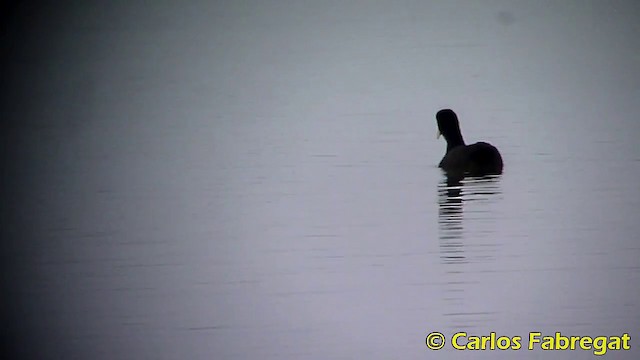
239,180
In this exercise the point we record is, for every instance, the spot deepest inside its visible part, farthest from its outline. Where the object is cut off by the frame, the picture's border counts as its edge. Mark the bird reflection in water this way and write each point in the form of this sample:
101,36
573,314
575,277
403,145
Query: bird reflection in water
453,193
450,221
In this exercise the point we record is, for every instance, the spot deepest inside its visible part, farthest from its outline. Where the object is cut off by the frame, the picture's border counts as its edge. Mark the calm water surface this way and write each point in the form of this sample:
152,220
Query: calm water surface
260,181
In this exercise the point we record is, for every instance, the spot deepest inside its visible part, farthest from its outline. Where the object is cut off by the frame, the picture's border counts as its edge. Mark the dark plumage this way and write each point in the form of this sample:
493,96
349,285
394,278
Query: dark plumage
477,159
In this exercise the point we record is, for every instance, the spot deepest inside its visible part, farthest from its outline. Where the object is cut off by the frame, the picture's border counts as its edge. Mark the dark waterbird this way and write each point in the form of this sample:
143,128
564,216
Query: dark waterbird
477,159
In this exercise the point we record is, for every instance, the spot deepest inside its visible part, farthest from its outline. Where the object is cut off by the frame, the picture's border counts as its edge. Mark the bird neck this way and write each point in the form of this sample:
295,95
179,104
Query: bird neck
454,141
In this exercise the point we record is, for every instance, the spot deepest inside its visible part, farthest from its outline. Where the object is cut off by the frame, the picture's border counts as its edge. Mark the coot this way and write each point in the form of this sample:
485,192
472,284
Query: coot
477,159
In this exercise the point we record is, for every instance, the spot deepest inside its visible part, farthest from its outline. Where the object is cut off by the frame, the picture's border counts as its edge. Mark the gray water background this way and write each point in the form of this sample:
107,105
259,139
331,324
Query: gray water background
258,180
